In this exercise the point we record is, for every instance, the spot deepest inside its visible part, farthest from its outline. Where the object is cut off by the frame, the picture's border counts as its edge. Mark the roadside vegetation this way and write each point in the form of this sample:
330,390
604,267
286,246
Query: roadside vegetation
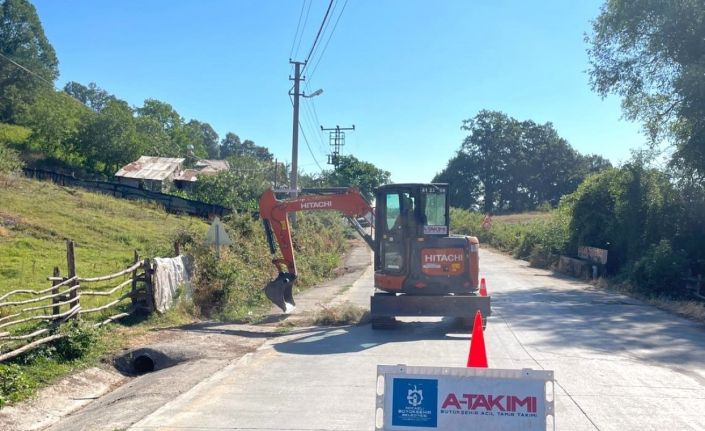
37,217
647,212
649,223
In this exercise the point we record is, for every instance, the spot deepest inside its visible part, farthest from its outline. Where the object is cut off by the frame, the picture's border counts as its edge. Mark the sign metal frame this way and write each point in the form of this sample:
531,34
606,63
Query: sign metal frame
439,377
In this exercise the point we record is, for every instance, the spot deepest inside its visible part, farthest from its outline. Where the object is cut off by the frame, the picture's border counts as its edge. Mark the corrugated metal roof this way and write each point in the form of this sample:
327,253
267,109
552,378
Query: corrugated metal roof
215,165
189,175
151,168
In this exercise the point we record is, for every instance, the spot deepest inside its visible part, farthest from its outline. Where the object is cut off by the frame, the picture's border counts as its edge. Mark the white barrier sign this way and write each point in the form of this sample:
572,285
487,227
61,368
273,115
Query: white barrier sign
435,398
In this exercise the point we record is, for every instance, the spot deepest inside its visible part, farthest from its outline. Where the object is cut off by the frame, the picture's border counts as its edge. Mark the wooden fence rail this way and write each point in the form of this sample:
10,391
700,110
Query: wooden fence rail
63,297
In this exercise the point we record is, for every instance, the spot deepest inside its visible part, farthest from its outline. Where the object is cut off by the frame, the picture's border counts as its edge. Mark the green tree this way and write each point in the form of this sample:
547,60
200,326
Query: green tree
510,165
110,139
230,144
22,40
205,138
652,54
352,172
464,186
92,96
55,119
239,187
161,121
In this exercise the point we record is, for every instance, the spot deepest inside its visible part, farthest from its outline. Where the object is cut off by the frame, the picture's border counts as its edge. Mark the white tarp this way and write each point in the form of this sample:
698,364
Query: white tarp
436,398
170,274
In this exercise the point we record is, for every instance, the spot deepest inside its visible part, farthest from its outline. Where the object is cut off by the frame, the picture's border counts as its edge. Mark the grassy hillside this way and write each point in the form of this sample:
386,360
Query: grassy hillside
37,217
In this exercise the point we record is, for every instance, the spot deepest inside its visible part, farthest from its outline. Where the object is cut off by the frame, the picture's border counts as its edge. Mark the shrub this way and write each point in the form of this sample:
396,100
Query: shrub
9,160
13,383
80,338
232,288
660,270
547,234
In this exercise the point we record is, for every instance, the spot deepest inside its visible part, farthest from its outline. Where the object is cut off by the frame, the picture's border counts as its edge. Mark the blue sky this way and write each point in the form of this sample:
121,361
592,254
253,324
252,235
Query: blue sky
405,72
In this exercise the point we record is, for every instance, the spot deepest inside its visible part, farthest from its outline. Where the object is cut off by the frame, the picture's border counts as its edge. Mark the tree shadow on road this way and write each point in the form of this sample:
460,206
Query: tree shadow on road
349,339
602,322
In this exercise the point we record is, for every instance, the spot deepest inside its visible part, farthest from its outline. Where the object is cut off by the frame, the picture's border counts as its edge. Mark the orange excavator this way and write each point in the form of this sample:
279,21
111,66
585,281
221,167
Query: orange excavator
420,268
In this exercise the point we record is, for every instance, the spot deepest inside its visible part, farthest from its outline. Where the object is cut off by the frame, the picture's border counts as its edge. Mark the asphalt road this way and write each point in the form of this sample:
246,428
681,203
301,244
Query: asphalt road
619,364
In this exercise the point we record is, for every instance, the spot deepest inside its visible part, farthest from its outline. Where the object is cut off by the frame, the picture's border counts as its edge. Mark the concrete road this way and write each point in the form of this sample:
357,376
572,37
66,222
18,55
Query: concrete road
619,364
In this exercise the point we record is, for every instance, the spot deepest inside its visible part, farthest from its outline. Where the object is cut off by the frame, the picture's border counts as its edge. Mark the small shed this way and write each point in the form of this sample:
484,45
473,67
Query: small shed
150,173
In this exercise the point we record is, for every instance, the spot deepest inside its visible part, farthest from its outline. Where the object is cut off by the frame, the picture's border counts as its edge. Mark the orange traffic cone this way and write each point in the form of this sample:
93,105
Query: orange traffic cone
478,356
483,287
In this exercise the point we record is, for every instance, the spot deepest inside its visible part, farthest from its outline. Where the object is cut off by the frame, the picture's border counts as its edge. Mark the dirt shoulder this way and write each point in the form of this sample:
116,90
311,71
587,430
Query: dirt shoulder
103,398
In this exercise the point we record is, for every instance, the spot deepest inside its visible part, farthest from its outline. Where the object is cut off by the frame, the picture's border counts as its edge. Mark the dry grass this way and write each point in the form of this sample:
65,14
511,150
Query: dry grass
346,313
521,217
690,309
343,314
693,310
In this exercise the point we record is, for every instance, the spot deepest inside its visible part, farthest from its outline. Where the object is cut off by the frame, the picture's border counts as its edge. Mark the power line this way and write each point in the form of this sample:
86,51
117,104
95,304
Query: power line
330,36
316,49
296,35
301,36
36,75
27,70
309,122
309,148
301,129
316,124
320,29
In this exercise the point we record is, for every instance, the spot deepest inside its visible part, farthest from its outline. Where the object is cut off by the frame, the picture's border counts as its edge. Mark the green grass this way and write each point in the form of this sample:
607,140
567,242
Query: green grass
539,237
36,218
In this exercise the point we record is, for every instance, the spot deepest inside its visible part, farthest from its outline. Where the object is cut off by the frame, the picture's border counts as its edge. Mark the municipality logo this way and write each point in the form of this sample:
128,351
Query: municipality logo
415,397
415,402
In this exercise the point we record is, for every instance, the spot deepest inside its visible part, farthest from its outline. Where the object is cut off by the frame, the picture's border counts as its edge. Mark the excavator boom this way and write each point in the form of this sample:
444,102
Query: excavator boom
274,214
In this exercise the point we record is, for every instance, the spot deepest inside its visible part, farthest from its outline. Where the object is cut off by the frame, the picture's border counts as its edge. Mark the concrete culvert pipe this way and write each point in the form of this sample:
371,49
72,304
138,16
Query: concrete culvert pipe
143,363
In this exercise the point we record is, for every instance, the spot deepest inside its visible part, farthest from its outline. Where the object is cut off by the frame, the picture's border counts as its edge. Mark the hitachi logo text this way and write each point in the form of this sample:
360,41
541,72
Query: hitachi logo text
314,205
441,258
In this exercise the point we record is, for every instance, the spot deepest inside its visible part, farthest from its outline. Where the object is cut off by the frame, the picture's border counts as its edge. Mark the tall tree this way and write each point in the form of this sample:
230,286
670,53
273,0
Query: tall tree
493,148
55,119
92,96
230,145
110,140
510,165
205,137
357,173
160,119
652,54
22,40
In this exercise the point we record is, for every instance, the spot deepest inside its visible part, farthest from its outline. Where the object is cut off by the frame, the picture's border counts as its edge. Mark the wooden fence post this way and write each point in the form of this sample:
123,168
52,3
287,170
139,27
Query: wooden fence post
71,263
134,281
177,248
149,283
55,309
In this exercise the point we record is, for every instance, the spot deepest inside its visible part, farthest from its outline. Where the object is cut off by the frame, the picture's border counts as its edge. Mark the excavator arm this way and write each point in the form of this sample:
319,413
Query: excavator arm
274,214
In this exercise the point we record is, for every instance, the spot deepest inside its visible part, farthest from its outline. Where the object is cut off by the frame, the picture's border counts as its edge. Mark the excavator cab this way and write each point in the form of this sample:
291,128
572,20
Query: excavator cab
407,213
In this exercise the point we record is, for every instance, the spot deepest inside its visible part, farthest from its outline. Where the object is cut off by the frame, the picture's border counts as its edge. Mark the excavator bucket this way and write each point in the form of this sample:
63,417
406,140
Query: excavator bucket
281,292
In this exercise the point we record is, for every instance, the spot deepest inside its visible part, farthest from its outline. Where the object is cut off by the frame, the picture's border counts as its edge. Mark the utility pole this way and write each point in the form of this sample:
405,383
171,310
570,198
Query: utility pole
336,138
295,134
276,167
